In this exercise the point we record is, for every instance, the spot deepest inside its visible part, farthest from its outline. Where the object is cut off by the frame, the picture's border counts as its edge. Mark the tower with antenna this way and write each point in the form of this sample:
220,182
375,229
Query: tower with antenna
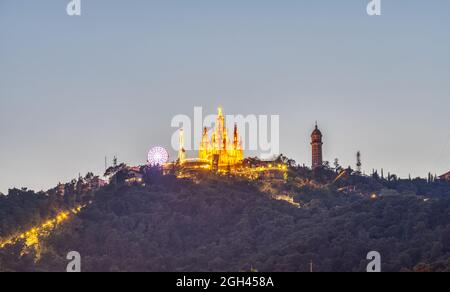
115,161
358,163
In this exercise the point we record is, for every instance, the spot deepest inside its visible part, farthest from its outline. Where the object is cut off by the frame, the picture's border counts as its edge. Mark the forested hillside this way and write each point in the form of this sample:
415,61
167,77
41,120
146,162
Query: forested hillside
221,223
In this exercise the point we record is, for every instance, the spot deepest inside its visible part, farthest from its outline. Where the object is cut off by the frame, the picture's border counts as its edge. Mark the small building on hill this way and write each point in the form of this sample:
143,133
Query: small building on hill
445,177
134,175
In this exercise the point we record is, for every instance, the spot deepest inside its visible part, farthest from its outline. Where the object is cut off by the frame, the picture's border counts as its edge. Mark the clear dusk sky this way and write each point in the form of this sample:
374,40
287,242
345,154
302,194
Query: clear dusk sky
76,89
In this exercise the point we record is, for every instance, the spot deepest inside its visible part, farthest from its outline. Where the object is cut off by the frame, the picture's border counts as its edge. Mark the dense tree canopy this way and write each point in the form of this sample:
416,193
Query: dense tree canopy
232,224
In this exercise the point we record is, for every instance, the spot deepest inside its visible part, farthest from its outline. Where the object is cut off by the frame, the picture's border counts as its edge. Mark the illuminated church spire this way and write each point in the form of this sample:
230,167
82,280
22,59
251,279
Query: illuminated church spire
235,137
220,128
181,150
228,152
204,146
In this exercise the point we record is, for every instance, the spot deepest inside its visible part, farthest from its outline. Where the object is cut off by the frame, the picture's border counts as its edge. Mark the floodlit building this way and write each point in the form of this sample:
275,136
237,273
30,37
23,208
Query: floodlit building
220,149
134,176
223,153
216,151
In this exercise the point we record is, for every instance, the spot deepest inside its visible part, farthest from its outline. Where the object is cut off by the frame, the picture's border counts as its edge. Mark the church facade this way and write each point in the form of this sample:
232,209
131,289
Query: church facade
216,151
219,149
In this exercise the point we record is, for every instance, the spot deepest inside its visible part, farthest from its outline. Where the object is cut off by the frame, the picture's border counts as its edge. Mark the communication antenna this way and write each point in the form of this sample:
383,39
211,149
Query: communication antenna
358,162
115,161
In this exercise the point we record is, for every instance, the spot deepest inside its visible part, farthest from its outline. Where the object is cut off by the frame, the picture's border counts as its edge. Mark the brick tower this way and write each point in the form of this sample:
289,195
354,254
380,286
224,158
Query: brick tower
316,143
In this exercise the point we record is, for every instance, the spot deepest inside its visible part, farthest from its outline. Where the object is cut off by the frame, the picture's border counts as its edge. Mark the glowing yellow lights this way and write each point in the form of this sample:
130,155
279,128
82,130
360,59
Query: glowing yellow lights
287,199
31,237
181,150
220,149
224,154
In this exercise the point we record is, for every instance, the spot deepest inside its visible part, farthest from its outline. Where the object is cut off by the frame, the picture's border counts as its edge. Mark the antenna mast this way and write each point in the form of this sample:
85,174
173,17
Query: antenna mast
358,163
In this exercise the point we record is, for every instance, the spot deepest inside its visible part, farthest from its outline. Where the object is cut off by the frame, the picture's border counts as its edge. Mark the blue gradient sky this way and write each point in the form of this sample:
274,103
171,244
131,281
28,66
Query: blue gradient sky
74,89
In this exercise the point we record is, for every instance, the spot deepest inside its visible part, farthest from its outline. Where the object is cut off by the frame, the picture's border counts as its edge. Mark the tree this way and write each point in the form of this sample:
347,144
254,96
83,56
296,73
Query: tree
337,166
229,223
291,163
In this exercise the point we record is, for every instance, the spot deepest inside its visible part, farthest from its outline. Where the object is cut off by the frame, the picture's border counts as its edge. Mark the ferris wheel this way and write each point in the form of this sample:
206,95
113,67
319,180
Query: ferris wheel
158,156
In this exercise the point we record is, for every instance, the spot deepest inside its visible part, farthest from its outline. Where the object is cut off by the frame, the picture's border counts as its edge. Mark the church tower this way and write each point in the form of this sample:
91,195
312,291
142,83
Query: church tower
221,150
316,143
204,146
181,150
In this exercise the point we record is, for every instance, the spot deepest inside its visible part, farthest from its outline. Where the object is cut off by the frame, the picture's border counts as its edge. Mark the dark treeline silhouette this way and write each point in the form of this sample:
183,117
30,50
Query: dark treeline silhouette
222,223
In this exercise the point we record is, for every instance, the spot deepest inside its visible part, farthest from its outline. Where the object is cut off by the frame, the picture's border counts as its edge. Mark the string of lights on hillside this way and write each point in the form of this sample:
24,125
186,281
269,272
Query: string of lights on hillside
31,238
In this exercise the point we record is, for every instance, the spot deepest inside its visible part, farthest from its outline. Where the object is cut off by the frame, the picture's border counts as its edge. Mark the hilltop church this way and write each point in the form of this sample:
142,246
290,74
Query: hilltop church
219,151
